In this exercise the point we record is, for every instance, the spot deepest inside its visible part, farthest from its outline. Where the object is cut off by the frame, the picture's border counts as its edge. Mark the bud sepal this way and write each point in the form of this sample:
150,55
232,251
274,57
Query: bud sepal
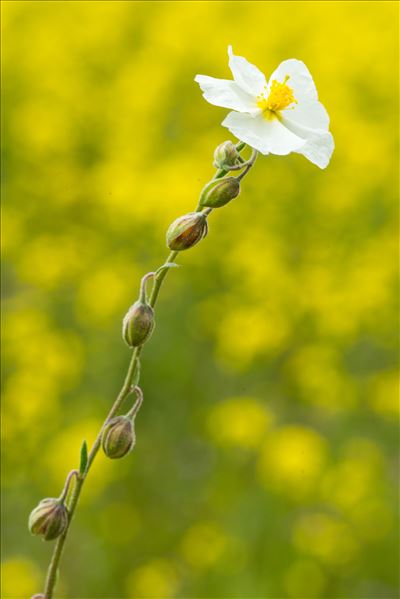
138,324
118,437
226,156
186,231
49,519
219,192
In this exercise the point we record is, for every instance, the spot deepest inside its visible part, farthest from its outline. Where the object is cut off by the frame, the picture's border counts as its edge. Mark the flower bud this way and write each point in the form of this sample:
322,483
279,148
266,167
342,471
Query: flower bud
220,193
186,231
118,437
138,324
49,519
225,155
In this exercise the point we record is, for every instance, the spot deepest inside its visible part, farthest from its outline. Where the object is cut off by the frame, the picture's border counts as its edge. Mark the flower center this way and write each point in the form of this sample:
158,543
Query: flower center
280,97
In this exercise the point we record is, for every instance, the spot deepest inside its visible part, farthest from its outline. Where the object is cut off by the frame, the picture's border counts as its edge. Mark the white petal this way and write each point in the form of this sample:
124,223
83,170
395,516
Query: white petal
266,136
244,127
318,149
319,144
246,75
222,92
310,114
300,79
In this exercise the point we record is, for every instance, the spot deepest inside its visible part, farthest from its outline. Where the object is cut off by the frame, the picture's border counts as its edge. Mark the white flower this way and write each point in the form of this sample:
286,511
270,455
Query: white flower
278,117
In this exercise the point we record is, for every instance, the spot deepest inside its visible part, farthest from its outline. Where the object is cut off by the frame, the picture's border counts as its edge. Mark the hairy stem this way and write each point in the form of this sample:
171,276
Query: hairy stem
126,389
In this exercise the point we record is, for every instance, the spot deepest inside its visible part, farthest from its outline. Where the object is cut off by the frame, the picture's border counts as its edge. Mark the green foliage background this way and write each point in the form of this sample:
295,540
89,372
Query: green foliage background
265,458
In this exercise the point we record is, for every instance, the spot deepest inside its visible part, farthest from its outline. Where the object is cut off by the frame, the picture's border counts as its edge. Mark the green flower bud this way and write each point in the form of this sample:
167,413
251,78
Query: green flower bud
138,324
49,519
220,192
118,437
225,155
186,231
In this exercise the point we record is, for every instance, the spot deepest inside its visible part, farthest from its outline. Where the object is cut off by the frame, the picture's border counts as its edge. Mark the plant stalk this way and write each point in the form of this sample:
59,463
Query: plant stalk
126,389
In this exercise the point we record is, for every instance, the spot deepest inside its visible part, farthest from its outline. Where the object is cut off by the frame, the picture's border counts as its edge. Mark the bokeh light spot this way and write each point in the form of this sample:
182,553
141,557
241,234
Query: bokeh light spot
203,545
305,578
240,421
154,580
20,578
325,537
291,460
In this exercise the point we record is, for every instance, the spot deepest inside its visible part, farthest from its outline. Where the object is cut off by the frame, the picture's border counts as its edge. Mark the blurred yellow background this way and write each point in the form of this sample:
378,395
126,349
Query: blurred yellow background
266,445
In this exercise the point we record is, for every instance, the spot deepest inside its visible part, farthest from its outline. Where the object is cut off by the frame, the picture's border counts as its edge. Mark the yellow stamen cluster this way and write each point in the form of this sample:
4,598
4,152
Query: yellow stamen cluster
280,97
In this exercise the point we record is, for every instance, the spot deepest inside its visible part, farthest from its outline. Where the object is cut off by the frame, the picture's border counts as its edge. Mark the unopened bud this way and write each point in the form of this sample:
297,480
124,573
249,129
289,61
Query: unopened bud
118,437
225,155
138,324
220,192
186,231
49,519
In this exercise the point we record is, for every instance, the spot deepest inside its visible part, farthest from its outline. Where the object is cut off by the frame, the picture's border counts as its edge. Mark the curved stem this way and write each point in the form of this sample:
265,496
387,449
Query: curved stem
64,493
142,294
158,280
126,389
136,406
249,164
238,167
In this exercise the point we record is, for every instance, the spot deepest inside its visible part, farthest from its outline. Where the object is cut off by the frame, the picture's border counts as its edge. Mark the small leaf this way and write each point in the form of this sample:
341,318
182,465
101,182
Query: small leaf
84,458
167,265
171,265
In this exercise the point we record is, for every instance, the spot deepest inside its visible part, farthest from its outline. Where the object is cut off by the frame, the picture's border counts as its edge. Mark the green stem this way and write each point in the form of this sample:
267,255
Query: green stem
126,389
159,280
